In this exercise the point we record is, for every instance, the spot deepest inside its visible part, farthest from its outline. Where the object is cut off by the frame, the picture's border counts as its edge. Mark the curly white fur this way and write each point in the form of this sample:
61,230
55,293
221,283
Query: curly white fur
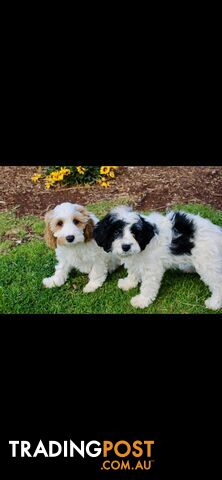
80,254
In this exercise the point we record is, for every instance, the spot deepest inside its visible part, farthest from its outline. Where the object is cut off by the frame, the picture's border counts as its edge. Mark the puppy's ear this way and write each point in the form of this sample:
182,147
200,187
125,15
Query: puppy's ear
143,232
100,233
88,230
49,237
107,230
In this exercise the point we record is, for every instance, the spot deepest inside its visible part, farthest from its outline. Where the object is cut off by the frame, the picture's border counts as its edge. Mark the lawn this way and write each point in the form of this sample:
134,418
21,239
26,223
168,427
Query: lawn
25,260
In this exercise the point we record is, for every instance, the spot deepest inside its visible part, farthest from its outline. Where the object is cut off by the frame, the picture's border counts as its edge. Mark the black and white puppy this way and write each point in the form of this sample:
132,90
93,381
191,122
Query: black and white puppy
149,245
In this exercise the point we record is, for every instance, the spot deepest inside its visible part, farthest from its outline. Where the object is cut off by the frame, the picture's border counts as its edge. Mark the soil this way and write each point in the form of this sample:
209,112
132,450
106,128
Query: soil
149,188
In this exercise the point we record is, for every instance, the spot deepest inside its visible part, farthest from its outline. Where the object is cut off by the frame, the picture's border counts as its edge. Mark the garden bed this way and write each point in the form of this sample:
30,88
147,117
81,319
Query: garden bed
147,188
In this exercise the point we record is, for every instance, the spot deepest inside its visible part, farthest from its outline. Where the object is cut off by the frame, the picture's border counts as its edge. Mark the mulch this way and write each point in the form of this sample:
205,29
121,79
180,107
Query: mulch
149,188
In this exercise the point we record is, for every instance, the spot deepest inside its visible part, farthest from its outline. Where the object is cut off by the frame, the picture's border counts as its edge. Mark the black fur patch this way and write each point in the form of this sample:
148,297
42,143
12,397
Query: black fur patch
107,230
143,232
183,234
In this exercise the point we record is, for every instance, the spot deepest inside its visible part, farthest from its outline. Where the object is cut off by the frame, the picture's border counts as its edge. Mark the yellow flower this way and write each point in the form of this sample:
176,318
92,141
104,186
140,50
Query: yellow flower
54,174
104,170
81,170
50,179
104,184
36,177
47,185
112,174
65,171
60,176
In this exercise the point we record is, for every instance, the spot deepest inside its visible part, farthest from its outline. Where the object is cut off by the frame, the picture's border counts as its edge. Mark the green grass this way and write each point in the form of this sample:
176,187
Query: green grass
25,260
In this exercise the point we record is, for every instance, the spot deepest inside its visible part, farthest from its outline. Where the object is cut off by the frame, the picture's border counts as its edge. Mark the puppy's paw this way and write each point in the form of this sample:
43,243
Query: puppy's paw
90,287
139,301
49,282
124,284
53,281
213,304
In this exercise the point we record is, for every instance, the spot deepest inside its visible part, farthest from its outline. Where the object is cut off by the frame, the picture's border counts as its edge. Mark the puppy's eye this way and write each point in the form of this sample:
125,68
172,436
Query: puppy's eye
60,223
76,222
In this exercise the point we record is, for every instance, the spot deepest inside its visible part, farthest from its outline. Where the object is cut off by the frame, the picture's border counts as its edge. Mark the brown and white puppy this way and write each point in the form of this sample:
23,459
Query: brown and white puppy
69,230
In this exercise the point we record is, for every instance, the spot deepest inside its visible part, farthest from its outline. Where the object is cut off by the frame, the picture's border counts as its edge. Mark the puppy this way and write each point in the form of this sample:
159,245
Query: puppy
69,230
149,245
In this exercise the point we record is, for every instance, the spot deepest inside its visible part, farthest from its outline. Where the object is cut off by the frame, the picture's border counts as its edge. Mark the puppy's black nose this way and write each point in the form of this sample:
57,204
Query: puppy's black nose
70,238
126,248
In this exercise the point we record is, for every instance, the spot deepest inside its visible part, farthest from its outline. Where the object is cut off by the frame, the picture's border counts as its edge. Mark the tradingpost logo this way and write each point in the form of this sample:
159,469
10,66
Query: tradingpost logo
119,455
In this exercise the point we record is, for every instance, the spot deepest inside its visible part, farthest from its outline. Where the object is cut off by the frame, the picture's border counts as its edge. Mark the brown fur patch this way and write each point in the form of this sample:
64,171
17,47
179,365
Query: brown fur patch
82,220
49,237
61,241
88,232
